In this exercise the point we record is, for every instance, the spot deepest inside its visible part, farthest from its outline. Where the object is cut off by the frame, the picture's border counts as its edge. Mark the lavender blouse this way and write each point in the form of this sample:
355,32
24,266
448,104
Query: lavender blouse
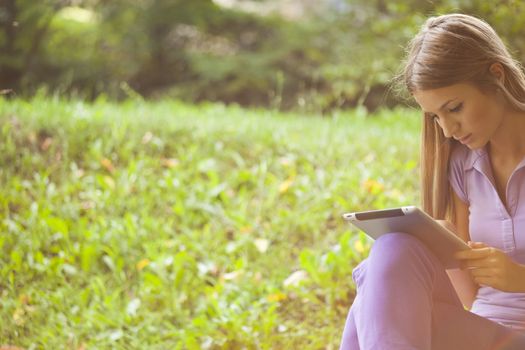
491,222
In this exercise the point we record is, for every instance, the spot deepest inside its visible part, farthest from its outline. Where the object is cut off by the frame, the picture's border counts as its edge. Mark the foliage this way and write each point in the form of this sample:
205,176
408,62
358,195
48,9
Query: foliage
164,225
339,54
25,24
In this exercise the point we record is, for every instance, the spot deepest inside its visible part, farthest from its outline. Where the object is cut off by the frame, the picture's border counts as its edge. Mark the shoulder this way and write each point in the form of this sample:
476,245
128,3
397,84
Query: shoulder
463,158
460,157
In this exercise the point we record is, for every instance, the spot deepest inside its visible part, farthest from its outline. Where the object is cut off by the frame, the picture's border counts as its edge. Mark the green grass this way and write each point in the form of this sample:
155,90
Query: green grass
167,226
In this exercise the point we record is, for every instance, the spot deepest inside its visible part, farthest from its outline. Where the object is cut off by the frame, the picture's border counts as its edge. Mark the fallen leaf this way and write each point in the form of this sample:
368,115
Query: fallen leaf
48,141
87,205
69,269
133,306
276,297
285,161
295,278
262,244
246,229
359,247
142,264
78,173
116,335
258,276
108,165
170,243
169,162
396,194
110,182
369,158
208,267
285,185
31,137
373,186
24,299
18,317
148,136
232,275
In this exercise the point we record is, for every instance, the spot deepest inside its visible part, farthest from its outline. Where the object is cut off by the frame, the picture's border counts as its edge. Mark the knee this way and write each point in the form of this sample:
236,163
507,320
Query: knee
396,240
395,250
397,258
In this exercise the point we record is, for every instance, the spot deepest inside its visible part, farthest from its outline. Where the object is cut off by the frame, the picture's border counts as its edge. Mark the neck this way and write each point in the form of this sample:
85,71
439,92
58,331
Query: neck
509,141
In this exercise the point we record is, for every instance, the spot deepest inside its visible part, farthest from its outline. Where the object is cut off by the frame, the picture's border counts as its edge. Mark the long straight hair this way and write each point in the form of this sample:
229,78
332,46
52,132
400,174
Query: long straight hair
451,49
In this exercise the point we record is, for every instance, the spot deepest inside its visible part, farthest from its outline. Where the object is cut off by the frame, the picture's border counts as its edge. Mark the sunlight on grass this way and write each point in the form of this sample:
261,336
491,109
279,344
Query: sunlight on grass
164,225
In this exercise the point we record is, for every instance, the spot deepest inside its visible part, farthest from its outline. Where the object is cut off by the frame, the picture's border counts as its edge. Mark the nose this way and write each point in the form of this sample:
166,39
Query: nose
449,126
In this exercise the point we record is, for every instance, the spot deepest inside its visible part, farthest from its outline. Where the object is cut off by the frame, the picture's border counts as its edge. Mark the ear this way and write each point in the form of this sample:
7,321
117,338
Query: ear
496,69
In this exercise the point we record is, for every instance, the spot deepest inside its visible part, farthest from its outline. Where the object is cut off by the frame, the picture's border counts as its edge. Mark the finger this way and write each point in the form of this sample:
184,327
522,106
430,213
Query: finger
477,263
477,244
463,254
477,253
491,261
486,281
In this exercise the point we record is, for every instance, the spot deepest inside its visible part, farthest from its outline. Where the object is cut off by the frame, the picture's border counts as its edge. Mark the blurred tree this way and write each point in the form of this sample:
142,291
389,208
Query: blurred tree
368,39
327,54
25,25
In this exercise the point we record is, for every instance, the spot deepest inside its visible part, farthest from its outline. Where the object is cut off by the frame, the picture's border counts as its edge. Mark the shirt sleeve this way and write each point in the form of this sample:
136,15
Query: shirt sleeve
456,172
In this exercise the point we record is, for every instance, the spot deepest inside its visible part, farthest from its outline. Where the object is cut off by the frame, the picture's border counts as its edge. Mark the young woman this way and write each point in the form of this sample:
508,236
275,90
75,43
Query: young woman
472,94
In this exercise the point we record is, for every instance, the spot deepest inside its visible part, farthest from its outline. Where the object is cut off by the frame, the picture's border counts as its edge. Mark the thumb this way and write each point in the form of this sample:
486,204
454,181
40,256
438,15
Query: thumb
477,244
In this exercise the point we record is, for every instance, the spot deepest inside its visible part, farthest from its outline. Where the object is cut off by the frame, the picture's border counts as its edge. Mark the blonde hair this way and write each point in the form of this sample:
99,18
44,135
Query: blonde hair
451,49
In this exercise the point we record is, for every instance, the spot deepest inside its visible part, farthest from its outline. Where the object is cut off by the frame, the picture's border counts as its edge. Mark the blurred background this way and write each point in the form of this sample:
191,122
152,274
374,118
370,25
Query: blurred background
173,172
285,54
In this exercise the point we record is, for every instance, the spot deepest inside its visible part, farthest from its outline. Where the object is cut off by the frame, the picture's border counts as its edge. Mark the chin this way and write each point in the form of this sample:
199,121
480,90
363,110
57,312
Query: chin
476,145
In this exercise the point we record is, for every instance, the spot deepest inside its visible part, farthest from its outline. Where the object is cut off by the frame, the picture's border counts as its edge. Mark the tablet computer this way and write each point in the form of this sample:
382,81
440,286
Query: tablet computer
413,221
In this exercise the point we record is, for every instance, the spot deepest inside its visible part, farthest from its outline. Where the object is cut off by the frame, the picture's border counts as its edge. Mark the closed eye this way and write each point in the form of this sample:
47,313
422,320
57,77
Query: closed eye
457,108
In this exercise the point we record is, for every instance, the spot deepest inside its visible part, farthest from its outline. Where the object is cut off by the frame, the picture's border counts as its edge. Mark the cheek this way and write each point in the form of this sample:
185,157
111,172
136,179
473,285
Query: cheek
485,116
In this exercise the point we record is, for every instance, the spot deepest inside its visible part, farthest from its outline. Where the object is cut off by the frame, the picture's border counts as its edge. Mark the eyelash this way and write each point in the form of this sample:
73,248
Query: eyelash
456,109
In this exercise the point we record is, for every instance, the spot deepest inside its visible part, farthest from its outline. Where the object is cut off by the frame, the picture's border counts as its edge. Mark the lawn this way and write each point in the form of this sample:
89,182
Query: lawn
161,225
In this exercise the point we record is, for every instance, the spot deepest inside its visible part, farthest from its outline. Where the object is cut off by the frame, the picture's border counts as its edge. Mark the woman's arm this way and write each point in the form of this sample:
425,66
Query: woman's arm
462,281
481,264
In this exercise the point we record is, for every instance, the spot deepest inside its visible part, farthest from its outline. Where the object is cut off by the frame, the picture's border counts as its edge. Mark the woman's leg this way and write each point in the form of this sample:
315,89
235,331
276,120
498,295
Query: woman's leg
406,301
455,328
349,340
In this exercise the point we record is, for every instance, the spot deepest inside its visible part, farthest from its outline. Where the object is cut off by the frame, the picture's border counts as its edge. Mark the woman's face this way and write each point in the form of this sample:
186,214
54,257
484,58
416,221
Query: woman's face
463,112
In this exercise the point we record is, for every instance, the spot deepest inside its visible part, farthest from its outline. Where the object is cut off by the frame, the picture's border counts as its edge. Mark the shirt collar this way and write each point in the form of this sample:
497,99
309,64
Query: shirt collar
479,159
476,159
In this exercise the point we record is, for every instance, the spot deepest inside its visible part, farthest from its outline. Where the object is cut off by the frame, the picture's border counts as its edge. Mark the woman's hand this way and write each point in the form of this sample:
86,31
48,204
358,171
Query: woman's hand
491,267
